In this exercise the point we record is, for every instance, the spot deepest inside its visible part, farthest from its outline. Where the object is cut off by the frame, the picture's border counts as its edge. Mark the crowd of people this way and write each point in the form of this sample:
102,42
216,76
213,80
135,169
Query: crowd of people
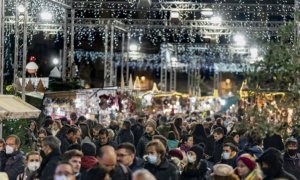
148,147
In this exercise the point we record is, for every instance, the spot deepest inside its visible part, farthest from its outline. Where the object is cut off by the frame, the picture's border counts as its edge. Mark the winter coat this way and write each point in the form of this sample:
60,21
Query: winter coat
138,163
209,148
164,129
125,135
88,162
274,141
184,148
292,165
231,162
218,150
65,144
48,165
27,175
14,165
198,173
138,131
172,144
164,171
141,146
3,159
121,173
282,174
254,175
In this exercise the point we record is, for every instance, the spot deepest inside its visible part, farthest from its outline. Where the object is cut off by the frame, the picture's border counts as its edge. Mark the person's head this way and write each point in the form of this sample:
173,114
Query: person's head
291,146
81,119
13,143
126,154
98,172
111,134
223,172
89,149
271,162
245,165
236,137
178,122
156,151
74,158
103,136
220,122
33,126
95,130
142,174
42,134
162,139
73,134
56,125
195,154
73,116
126,125
107,157
85,130
171,135
64,170
218,133
2,144
187,140
199,131
150,127
229,150
49,144
33,160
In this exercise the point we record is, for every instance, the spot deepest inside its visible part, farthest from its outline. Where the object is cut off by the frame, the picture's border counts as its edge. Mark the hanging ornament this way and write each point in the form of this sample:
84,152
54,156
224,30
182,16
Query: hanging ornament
32,67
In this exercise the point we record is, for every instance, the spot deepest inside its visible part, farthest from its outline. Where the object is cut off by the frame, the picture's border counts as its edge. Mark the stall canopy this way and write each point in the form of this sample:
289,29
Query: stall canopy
12,107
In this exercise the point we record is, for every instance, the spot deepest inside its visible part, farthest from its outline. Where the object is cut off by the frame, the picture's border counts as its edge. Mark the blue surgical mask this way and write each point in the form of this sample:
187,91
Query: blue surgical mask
226,155
152,159
190,159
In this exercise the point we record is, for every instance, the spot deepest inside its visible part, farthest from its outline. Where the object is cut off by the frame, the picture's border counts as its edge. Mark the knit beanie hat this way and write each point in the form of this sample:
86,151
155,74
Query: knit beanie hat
151,123
89,149
198,150
251,164
176,153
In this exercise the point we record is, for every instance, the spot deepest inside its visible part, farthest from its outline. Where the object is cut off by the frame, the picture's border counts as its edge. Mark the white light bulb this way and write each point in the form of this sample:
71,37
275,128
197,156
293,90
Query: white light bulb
239,40
46,16
55,61
21,8
216,20
133,47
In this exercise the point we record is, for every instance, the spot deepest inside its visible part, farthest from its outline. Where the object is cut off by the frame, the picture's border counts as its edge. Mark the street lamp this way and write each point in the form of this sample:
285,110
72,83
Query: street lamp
55,61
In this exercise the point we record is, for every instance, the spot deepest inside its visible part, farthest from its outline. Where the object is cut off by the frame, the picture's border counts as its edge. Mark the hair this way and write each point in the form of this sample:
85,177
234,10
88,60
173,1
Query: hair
231,146
81,119
2,141
143,174
42,131
35,128
75,147
71,153
65,163
218,130
159,147
230,177
73,116
171,135
17,139
73,130
53,142
58,123
91,124
199,131
178,121
32,153
128,146
185,138
85,130
103,131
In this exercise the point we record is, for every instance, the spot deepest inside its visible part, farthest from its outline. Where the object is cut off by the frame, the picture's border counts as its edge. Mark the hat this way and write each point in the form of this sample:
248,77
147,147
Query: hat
176,153
127,123
162,139
89,149
151,123
222,170
291,140
198,150
248,162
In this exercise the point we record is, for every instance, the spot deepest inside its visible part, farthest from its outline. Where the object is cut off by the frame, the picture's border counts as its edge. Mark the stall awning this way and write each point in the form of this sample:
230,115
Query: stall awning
12,107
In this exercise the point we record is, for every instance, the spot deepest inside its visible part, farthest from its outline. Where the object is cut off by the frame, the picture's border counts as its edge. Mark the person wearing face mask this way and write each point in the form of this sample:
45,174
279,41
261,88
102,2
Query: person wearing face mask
229,155
271,163
32,163
196,167
291,159
64,171
15,161
158,164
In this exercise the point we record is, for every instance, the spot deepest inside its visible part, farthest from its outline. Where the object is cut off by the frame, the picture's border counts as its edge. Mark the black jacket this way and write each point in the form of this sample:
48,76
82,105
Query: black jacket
218,150
198,173
209,148
138,163
3,159
48,165
141,146
14,165
165,171
292,166
125,135
273,141
282,174
138,131
109,143
65,143
121,173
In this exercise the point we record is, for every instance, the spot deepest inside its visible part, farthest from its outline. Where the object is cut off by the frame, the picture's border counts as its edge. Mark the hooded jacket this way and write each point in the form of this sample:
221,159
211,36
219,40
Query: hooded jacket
292,165
137,164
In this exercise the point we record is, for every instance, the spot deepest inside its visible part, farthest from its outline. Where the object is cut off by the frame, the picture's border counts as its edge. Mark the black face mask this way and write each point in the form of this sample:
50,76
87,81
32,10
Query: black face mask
292,152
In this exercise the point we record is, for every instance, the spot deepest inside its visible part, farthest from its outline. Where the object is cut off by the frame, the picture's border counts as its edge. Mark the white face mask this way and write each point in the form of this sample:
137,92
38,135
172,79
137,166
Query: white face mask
9,149
62,177
226,155
33,166
190,159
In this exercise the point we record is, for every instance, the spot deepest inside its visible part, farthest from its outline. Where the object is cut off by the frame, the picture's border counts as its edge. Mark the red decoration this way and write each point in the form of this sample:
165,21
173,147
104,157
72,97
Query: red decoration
32,58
